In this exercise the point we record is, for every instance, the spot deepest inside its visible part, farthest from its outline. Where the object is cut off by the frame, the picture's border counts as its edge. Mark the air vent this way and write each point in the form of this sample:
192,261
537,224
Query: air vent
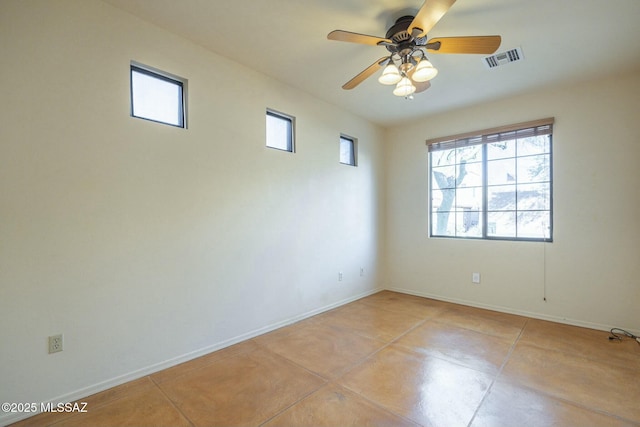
502,58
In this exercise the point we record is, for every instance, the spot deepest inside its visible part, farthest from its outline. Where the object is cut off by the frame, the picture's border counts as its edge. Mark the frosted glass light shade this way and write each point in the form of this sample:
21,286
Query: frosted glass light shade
390,75
424,71
404,87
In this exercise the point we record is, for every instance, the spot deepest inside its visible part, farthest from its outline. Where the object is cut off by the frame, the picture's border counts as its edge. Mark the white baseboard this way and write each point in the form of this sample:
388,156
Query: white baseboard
8,418
541,316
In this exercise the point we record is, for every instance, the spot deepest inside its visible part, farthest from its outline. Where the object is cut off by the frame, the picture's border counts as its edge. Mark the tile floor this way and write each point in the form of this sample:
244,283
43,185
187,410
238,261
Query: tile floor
391,360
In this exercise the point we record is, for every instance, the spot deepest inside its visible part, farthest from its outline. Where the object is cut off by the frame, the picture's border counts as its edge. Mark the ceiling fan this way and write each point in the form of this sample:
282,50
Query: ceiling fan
407,66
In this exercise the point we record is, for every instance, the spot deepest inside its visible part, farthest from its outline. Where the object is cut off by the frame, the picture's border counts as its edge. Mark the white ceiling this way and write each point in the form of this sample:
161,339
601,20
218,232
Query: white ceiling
562,41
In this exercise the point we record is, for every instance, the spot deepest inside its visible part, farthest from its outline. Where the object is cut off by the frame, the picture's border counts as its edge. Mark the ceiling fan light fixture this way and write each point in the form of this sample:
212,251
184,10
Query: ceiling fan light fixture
390,75
404,88
407,43
425,71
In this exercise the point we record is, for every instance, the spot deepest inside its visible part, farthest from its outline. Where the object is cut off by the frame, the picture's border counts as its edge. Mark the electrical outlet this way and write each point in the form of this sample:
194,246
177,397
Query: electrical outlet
340,276
55,343
475,277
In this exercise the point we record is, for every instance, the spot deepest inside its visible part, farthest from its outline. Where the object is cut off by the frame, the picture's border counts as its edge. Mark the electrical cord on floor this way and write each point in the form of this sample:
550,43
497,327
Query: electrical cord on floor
618,334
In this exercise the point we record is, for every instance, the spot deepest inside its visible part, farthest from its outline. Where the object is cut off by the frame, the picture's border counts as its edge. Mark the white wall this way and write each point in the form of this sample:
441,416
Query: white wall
146,244
591,272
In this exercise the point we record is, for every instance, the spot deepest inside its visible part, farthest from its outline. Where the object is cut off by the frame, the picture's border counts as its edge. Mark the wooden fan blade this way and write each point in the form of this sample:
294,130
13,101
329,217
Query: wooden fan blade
421,87
366,73
347,36
428,16
478,44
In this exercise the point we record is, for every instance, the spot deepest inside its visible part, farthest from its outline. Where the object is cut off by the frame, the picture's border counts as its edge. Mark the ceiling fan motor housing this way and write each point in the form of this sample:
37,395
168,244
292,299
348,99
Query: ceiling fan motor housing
404,44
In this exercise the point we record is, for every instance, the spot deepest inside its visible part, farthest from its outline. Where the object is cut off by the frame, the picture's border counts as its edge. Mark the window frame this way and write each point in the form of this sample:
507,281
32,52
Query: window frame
354,149
163,76
486,137
291,146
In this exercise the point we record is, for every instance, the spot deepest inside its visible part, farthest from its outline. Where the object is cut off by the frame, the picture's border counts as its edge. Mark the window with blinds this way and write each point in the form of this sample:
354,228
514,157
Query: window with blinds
493,184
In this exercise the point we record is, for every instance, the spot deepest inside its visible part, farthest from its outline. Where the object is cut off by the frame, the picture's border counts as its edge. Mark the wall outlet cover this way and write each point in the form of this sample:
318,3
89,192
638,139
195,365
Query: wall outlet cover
55,343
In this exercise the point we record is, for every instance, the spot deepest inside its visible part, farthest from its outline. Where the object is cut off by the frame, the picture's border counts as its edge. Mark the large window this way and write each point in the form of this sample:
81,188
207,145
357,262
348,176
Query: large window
493,184
157,97
280,131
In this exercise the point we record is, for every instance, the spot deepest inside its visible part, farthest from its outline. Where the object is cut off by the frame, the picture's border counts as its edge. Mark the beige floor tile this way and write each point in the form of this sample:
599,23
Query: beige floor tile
41,420
322,349
246,389
286,330
508,405
336,406
94,402
501,325
473,349
425,389
146,408
595,384
423,308
372,322
200,362
582,341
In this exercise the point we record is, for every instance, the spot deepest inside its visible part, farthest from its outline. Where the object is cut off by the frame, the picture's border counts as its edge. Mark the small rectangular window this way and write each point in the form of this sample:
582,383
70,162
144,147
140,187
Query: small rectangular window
280,131
493,184
157,97
348,150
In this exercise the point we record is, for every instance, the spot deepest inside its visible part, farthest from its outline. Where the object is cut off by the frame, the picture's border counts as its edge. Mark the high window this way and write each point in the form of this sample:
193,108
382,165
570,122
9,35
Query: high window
280,132
157,96
348,150
493,184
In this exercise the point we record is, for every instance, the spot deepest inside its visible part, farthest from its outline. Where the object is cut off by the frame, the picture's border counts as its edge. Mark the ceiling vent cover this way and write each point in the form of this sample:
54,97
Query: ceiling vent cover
502,58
